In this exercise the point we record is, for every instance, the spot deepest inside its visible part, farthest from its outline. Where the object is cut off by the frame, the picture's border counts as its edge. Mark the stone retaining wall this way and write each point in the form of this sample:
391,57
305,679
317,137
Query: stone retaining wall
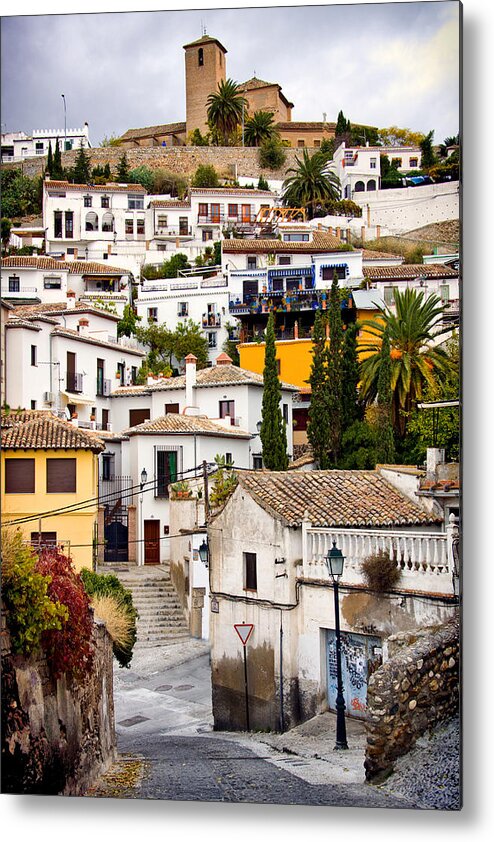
181,160
57,736
410,693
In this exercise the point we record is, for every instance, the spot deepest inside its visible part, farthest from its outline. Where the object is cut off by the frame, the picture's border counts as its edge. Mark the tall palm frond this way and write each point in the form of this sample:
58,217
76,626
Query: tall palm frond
259,127
312,183
225,109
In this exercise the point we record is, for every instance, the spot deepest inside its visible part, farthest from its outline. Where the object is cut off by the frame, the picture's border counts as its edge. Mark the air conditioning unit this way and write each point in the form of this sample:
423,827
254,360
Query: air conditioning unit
48,397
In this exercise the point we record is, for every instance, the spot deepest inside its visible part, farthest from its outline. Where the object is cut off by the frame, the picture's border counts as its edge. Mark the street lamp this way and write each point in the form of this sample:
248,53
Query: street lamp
335,561
204,552
65,122
144,478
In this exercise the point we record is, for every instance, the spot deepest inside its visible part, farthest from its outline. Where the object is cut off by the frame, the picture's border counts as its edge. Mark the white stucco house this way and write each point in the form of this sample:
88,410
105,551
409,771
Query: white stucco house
275,578
17,146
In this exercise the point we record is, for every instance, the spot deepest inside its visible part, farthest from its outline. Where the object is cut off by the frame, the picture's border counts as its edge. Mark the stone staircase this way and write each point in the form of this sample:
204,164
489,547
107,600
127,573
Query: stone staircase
161,619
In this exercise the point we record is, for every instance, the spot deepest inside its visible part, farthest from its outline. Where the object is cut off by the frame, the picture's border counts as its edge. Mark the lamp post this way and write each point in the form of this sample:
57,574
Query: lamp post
204,552
335,561
64,122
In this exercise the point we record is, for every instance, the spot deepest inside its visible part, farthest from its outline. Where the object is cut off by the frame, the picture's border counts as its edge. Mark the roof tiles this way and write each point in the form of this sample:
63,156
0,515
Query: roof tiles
31,430
186,425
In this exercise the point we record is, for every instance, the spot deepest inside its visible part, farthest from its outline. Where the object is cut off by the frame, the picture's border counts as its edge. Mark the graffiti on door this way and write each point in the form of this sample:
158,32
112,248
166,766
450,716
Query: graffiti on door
360,656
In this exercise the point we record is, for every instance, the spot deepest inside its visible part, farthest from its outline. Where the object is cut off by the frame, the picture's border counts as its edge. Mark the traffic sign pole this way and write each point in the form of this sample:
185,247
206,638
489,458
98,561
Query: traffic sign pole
244,631
247,720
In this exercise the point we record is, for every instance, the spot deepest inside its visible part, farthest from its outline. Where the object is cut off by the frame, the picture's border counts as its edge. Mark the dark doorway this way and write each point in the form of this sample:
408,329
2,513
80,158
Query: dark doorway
151,542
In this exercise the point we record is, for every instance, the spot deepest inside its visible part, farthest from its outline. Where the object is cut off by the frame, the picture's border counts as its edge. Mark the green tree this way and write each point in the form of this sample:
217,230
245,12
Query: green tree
342,124
128,323
20,194
428,158
273,432
327,148
81,174
310,183
272,155
318,423
142,175
168,269
107,171
259,127
225,110
385,448
167,345
415,358
58,172
113,140
358,447
335,370
350,404
205,176
49,162
447,142
196,138
123,170
394,136
6,227
262,184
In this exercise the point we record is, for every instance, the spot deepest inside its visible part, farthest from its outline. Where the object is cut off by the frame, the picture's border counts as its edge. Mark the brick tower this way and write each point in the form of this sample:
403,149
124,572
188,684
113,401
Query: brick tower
205,67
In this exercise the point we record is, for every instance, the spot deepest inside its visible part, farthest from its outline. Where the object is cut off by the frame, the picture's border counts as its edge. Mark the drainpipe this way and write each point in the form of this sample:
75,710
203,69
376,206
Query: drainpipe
282,706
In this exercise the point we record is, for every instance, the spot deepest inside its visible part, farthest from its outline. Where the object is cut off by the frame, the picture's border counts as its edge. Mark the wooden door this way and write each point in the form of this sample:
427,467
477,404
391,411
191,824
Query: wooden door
215,212
151,542
246,215
70,384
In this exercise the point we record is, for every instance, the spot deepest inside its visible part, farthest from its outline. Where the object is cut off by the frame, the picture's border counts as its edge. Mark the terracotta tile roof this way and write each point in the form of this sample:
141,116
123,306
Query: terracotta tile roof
33,311
73,267
333,498
216,375
43,430
301,125
321,243
254,83
373,254
96,188
92,340
187,425
305,459
408,270
152,131
235,191
169,203
205,39
20,416
440,486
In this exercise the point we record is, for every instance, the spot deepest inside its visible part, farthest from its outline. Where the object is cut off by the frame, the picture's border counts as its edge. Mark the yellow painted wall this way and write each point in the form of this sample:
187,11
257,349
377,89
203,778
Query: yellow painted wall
76,528
294,355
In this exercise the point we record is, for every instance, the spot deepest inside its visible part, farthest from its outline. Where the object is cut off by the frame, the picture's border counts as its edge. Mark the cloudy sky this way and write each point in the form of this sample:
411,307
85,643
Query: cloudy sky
381,63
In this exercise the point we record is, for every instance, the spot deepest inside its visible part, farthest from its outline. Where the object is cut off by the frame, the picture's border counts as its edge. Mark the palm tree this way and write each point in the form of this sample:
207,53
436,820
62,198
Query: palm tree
415,360
259,127
312,183
225,109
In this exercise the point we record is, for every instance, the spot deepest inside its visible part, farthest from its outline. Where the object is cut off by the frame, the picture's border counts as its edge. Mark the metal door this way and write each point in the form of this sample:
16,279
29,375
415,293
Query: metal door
361,654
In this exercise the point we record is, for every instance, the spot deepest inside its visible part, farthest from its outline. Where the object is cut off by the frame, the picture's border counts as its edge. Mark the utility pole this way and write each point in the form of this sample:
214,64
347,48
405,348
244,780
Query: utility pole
206,489
65,122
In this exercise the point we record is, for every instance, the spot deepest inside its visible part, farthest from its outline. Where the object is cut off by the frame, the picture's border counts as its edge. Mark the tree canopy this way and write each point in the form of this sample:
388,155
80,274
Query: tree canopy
169,346
225,110
310,183
259,127
273,432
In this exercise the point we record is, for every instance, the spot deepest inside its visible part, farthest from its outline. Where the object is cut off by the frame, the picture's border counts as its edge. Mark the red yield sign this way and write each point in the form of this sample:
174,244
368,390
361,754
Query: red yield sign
244,631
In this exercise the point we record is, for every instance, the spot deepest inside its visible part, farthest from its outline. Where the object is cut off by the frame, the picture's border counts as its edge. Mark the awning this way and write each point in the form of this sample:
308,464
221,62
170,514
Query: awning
80,399
298,272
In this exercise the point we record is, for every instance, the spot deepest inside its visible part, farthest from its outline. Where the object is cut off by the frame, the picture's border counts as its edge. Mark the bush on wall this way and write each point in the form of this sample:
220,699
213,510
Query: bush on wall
380,571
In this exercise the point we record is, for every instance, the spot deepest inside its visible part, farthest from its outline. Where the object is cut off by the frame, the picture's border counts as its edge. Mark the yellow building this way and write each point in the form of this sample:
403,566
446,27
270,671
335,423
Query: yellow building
48,464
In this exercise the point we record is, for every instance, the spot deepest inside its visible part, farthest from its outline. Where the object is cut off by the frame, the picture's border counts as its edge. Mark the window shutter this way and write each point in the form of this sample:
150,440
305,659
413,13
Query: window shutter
19,476
61,476
138,416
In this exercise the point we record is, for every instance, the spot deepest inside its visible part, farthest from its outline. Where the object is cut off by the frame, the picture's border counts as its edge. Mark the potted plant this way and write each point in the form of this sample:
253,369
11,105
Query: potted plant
181,490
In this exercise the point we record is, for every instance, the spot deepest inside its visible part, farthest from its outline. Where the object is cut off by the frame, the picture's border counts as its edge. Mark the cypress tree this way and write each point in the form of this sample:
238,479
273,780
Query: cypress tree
334,370
107,171
57,169
385,449
49,163
273,432
123,170
318,424
82,167
350,378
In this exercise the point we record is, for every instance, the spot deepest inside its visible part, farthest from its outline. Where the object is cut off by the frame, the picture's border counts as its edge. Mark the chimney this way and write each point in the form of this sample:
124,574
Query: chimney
83,326
362,233
435,457
70,299
190,379
223,359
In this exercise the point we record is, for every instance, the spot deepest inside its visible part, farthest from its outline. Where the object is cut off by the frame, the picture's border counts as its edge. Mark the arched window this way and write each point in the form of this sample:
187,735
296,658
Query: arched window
371,185
347,191
200,57
107,222
359,187
91,221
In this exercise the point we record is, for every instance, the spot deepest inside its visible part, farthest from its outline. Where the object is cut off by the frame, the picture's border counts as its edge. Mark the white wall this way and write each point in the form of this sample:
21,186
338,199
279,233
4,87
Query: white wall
410,207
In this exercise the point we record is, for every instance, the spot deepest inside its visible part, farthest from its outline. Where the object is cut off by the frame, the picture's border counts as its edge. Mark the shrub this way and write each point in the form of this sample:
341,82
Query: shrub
100,585
272,155
142,175
224,482
380,571
205,176
115,615
30,610
69,649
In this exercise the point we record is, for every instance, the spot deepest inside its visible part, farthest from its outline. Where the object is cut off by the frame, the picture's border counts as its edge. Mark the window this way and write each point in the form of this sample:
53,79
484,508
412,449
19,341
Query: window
88,201
285,413
57,224
33,404
34,355
121,373
359,187
44,539
161,247
140,228
91,221
19,476
250,572
444,292
107,222
414,162
107,469
172,408
278,367
100,377
138,416
317,144
68,145
389,295
61,476
233,211
203,209
183,226
39,148
327,272
371,184
133,375
105,201
162,221
135,201
300,143
200,57
105,418
129,227
228,459
284,260
396,163
251,262
52,282
70,251
183,308
165,471
373,163
212,340
207,235
14,283
296,238
152,314
227,408
69,224
257,463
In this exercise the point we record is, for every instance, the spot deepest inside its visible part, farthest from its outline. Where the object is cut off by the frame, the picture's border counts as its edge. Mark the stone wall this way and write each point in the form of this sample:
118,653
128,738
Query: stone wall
181,160
57,736
410,693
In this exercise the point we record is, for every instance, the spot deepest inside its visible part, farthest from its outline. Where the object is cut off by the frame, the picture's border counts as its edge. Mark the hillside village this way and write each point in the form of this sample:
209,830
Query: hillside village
229,348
